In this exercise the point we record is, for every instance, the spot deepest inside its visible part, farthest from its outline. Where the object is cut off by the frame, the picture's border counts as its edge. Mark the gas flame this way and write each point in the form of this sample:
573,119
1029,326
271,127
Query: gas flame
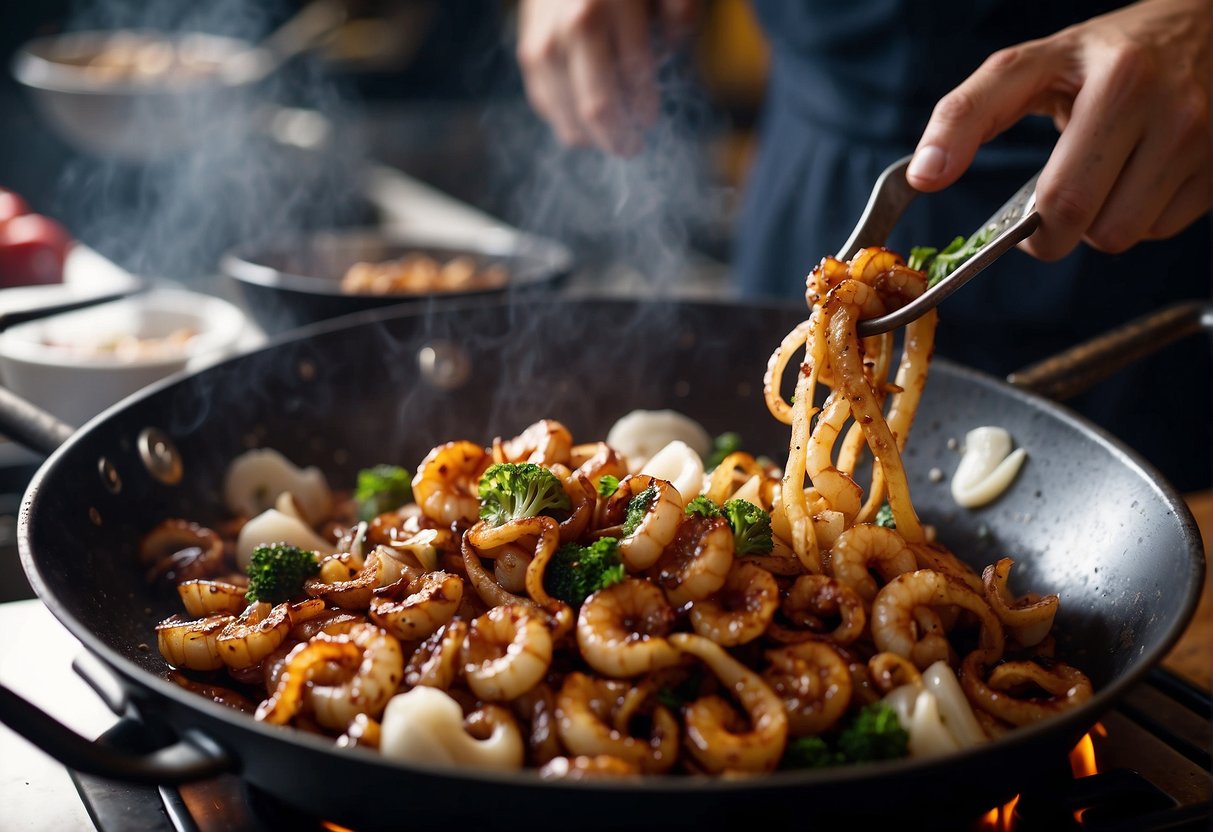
1082,763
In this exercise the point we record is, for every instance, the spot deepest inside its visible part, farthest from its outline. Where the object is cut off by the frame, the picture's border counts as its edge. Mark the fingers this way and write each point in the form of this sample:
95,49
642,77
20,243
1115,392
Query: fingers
1190,203
1089,158
597,91
636,65
541,55
1008,86
1129,92
588,70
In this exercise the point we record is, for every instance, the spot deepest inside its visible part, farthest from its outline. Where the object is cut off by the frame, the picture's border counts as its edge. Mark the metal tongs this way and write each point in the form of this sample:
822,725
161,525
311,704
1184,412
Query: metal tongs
1013,222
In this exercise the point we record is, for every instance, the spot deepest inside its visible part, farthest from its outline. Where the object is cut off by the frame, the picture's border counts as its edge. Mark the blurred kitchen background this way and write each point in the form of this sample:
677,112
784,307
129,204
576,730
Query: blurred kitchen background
428,88
387,113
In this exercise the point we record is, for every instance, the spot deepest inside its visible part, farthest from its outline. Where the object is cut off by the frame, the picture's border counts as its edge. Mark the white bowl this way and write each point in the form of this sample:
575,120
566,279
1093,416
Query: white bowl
139,118
66,364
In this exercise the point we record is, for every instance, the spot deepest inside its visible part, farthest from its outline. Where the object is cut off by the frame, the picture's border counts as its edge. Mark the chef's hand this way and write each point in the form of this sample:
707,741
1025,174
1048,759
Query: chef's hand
1129,92
589,66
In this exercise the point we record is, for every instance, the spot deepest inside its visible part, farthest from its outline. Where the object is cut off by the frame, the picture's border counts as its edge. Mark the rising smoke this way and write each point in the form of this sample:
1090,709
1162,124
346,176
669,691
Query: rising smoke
222,166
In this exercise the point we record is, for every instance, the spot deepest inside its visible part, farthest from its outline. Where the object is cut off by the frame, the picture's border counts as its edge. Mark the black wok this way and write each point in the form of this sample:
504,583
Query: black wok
1086,519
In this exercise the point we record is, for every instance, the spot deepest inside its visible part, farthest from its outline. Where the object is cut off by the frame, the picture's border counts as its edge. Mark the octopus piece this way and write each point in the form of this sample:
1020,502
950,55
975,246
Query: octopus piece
437,660
259,631
1023,692
338,584
537,708
192,644
428,603
364,681
663,513
712,743
813,604
696,563
864,549
934,555
447,481
597,460
741,611
621,630
546,442
183,551
584,716
507,652
814,683
894,628
202,598
1030,618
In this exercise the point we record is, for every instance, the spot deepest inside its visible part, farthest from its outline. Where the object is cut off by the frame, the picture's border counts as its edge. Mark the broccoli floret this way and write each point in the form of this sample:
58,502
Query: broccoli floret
277,571
380,489
874,734
702,505
575,572
638,507
513,490
751,527
809,752
723,445
884,517
607,485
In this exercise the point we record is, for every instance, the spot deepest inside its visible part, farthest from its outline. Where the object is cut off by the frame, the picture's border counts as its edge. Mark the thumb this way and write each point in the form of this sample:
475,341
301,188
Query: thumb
1006,87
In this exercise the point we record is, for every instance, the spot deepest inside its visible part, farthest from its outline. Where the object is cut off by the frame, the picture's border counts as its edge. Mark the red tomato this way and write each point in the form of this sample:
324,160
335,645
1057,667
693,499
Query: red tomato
11,205
32,250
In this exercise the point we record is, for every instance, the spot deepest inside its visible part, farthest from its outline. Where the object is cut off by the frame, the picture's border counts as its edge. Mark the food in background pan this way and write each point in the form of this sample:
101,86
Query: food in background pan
143,58
540,602
419,273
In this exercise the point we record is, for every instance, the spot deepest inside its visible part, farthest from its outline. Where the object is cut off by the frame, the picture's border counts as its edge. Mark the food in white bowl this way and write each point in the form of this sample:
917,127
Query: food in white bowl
76,364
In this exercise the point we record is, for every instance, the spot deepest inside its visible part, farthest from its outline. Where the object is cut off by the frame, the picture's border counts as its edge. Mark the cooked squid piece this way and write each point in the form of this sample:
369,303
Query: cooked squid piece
257,479
426,726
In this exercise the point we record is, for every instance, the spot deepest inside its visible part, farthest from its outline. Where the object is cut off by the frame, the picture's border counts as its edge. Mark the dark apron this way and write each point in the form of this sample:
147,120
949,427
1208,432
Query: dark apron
852,86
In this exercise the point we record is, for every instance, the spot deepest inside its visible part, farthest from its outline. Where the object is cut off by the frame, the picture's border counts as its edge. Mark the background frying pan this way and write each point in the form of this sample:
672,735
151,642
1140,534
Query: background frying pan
1085,518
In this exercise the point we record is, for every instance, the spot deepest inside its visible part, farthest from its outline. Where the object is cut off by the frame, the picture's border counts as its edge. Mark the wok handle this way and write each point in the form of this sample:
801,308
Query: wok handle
29,425
192,757
1081,367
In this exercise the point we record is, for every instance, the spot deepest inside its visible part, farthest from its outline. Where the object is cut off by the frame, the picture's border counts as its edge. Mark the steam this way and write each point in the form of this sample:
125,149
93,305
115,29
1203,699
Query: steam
246,168
642,211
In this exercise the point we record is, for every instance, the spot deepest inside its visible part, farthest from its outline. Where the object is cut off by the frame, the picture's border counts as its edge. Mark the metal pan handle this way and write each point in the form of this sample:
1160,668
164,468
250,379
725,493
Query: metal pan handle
1081,367
29,425
192,757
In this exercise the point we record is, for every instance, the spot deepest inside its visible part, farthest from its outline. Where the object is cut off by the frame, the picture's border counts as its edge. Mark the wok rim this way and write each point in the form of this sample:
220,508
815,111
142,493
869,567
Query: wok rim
1064,724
